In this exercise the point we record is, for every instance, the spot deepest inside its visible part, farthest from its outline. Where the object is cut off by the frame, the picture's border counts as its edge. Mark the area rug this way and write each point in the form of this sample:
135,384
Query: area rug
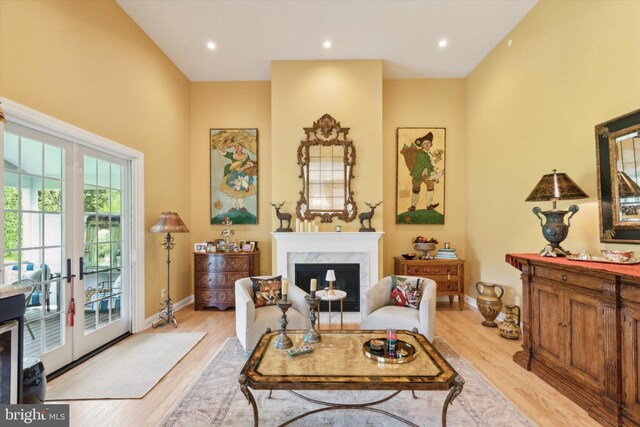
214,399
128,370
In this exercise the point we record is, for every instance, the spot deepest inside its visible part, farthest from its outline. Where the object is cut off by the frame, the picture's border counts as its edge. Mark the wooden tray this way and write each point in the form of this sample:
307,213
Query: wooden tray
381,356
631,261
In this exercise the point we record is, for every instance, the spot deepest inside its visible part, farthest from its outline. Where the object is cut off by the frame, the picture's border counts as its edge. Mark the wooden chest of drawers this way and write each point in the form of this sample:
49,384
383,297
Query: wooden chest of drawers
447,273
215,275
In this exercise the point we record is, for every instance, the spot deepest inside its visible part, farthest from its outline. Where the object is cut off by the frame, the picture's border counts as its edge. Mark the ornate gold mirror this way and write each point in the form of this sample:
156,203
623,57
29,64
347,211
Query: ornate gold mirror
618,149
326,158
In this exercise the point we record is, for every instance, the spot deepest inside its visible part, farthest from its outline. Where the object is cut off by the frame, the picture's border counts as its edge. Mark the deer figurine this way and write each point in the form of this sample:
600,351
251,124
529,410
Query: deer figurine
282,217
366,216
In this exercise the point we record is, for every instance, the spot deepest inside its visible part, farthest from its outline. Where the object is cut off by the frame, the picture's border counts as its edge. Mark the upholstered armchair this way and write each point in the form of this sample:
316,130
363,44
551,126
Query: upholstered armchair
376,312
252,322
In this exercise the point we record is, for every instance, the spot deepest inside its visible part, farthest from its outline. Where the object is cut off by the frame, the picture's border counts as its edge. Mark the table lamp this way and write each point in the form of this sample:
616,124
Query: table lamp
555,186
169,222
331,277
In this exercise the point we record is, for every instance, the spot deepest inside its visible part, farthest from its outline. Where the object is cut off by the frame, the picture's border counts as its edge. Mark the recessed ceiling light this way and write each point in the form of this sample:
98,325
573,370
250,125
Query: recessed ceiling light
327,44
442,43
211,45
510,42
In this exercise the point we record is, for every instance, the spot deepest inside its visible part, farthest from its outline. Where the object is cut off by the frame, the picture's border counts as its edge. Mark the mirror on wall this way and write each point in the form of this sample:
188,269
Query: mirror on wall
618,150
326,158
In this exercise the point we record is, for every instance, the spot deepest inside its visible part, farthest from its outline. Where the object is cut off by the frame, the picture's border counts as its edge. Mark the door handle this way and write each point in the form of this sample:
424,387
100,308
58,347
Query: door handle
81,267
68,270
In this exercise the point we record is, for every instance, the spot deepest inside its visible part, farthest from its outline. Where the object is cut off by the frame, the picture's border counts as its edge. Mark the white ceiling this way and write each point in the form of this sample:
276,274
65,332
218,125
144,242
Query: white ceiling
249,34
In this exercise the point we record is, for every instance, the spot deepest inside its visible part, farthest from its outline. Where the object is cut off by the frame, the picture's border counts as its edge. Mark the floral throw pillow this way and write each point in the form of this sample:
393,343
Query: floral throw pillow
266,291
405,292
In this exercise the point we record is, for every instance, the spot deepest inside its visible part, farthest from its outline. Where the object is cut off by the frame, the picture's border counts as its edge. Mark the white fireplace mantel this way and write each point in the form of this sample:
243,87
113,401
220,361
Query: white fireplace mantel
326,247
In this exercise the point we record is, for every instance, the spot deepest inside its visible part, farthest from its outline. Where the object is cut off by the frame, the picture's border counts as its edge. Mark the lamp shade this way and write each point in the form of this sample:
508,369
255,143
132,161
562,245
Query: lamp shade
627,187
556,186
331,276
169,222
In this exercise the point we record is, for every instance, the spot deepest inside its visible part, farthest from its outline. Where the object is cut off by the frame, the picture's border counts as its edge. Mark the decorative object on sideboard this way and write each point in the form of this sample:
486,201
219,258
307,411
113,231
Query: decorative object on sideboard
326,148
420,177
553,187
489,302
226,232
510,327
411,255
168,222
425,245
234,175
617,141
282,217
331,277
366,216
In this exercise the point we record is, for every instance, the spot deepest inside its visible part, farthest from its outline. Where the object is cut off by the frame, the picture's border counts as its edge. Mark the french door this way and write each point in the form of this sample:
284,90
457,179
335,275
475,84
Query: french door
66,212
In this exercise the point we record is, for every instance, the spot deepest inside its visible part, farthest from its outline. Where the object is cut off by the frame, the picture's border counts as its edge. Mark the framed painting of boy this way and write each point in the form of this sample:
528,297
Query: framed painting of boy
420,178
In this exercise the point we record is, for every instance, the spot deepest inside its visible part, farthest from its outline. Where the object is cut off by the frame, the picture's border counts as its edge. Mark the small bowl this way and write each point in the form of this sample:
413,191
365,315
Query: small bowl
617,256
409,256
377,344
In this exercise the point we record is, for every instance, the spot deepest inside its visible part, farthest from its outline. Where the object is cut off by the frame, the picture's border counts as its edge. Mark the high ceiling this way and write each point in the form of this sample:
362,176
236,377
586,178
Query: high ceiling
249,34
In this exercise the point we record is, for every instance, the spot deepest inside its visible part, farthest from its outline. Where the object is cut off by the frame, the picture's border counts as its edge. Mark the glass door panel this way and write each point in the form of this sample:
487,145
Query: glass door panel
33,236
105,242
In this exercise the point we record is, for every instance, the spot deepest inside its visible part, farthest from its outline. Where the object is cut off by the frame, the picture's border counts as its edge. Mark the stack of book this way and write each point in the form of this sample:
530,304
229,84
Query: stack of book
444,253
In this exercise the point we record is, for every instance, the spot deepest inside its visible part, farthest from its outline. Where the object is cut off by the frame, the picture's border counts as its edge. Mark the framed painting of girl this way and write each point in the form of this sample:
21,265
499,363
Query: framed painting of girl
234,175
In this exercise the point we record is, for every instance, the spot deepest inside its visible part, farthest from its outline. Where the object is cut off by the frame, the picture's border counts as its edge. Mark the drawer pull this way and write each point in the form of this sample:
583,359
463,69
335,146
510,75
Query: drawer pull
564,277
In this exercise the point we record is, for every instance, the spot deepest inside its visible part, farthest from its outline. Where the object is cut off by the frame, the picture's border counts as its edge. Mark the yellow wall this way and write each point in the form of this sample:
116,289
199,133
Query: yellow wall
231,105
425,103
89,64
532,107
351,92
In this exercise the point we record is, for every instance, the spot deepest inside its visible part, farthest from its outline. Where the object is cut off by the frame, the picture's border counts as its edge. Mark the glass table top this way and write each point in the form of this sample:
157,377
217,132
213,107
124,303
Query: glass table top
339,359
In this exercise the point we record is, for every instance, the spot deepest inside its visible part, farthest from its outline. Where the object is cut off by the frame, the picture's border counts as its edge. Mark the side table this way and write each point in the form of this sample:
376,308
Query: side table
338,295
447,273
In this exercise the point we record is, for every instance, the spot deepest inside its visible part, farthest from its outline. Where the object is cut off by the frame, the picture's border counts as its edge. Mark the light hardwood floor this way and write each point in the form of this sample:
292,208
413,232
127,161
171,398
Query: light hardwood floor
481,346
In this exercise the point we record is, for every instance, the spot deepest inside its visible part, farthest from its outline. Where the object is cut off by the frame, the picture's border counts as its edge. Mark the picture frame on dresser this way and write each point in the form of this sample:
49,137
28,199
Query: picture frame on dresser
200,247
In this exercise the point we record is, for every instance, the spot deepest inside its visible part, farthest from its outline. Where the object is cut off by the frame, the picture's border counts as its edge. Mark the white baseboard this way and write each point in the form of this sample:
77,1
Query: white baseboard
177,306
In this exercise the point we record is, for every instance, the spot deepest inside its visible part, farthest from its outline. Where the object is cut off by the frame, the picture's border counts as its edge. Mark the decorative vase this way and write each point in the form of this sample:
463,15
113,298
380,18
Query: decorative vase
489,302
510,328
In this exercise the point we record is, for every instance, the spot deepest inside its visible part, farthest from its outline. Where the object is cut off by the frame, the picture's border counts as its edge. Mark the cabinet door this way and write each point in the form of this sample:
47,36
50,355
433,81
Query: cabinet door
548,316
584,354
630,359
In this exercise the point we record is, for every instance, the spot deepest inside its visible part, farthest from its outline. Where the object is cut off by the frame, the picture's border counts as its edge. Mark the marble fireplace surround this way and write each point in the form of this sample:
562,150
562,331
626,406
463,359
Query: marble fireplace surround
329,247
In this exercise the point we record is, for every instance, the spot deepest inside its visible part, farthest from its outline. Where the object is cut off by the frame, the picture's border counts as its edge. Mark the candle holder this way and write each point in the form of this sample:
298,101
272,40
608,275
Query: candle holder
283,341
312,335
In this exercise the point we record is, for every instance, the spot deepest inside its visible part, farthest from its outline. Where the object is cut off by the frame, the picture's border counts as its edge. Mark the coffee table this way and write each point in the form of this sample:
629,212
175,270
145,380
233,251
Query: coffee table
338,363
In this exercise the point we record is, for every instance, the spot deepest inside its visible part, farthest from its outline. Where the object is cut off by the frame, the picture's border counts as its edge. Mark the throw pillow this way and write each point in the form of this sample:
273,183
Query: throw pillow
266,291
405,292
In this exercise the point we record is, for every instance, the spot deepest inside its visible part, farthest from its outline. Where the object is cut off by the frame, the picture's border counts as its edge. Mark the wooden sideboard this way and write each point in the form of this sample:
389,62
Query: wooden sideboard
581,332
447,273
215,275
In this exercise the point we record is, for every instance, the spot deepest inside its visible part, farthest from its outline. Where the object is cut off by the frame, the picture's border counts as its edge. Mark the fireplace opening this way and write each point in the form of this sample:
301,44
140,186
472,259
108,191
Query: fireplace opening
347,279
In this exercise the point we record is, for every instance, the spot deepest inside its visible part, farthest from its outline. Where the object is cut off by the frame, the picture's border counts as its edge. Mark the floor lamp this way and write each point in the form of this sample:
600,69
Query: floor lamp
169,222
